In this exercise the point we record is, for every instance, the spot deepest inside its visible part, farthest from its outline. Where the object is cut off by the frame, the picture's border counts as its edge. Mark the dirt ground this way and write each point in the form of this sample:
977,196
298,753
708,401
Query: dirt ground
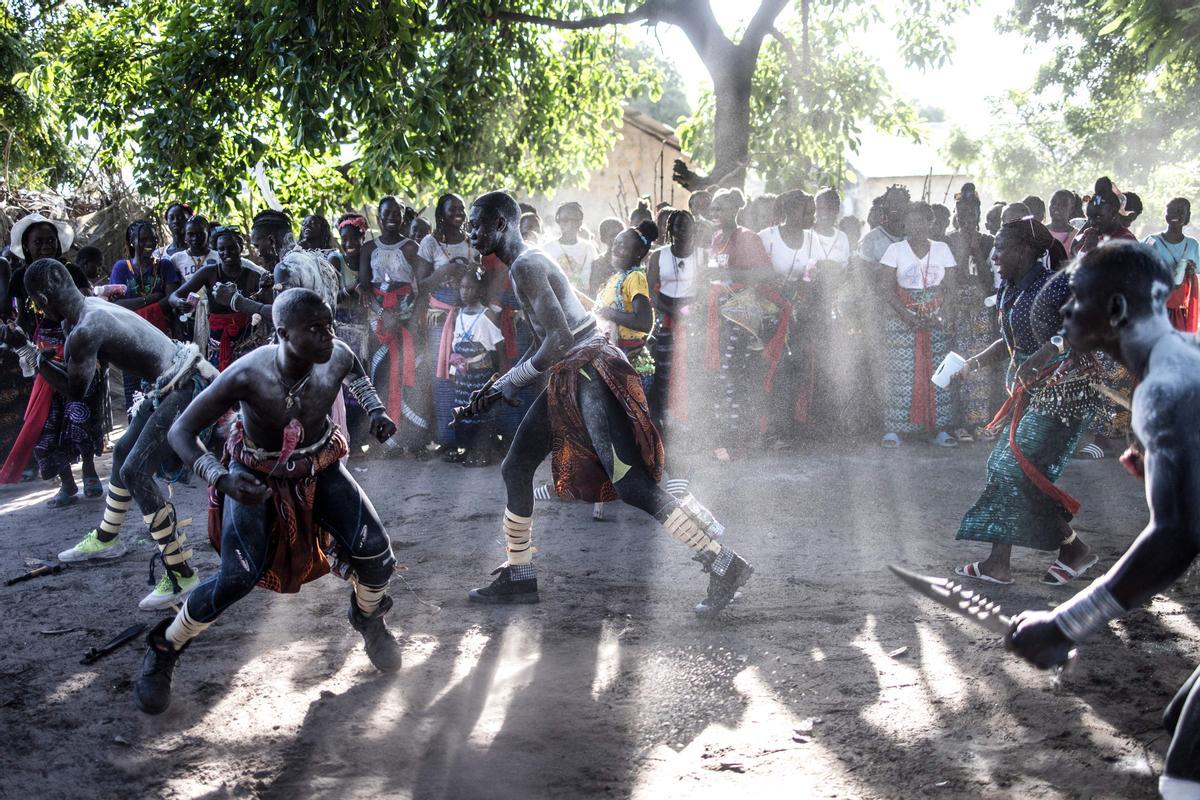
610,687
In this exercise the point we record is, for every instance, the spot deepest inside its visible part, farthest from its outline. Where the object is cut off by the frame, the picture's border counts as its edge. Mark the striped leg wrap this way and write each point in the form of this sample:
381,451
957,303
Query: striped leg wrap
116,506
694,525
678,487
166,534
183,628
368,598
518,531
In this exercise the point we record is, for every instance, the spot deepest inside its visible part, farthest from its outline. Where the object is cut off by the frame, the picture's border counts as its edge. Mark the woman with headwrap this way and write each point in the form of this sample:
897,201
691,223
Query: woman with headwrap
56,431
973,323
1050,403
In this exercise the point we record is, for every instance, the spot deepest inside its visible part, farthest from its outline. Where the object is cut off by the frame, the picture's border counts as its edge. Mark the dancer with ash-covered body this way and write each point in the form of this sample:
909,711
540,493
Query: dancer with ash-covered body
592,418
1119,307
101,331
284,449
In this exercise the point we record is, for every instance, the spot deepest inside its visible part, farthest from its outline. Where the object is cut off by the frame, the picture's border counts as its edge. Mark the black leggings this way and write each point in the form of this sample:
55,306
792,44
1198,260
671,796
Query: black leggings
1182,720
143,448
612,440
340,506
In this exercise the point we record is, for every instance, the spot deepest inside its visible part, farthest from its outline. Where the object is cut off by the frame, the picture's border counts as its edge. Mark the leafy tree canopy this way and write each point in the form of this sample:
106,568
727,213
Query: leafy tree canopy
816,88
339,102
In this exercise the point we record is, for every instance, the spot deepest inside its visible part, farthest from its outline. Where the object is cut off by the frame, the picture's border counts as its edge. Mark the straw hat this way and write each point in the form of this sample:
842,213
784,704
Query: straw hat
65,234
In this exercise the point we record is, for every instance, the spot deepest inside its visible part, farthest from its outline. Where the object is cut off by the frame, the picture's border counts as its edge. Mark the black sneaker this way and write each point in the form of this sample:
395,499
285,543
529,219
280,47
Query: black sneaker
505,590
152,689
727,572
382,647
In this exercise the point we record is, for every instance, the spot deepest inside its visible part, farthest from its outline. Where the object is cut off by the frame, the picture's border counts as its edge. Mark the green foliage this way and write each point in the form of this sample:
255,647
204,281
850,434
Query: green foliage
34,153
340,102
667,101
1119,97
808,114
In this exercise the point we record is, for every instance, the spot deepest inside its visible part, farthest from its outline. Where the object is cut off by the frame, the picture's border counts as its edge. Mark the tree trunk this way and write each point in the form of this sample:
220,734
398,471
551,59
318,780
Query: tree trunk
731,121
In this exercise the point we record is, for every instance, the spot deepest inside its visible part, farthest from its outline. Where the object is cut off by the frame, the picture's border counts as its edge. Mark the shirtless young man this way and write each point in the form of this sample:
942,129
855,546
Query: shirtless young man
593,417
100,330
1119,307
284,449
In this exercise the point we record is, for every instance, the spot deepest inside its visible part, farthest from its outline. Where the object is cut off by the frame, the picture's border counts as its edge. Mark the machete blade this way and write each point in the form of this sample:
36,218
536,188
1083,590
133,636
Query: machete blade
953,595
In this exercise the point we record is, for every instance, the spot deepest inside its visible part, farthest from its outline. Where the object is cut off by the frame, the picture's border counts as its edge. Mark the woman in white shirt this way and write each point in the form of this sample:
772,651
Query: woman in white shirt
573,254
914,334
672,274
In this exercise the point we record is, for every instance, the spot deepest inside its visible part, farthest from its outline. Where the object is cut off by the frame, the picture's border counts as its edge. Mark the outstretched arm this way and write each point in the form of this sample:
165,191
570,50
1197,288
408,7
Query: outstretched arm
1158,557
179,297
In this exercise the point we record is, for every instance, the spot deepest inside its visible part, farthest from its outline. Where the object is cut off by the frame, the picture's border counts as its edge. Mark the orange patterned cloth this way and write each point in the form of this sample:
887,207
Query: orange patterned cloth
303,550
578,473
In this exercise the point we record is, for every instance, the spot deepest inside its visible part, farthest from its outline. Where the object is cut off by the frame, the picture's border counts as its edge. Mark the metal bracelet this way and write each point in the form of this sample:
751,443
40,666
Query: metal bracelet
210,468
364,392
521,375
1087,612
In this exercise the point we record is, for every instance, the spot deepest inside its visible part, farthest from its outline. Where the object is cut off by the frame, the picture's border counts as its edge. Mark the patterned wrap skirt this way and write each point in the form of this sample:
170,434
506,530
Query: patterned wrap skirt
1011,509
900,353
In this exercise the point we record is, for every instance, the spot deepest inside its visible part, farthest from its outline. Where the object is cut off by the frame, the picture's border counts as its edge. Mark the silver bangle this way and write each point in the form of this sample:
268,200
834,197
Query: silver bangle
210,468
362,390
1087,612
521,375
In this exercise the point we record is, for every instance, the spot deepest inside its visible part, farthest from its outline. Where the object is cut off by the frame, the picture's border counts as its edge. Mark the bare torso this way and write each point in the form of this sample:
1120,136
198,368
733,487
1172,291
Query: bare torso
120,337
528,271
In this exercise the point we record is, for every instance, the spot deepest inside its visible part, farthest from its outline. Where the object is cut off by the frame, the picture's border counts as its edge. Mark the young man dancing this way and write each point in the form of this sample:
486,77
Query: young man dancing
104,331
592,417
285,449
1119,307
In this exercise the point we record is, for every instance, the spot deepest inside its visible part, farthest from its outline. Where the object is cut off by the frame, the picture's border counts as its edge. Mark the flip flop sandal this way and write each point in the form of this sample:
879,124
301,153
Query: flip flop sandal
92,487
972,571
943,439
62,500
964,435
890,441
984,434
1059,574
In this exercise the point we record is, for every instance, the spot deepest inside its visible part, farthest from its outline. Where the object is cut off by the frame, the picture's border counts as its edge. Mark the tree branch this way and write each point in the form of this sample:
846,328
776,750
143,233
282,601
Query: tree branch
647,12
762,22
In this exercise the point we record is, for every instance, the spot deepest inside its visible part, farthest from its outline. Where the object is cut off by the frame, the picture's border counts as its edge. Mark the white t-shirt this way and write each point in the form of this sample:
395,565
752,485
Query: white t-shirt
187,264
795,264
677,276
918,273
440,254
575,260
477,328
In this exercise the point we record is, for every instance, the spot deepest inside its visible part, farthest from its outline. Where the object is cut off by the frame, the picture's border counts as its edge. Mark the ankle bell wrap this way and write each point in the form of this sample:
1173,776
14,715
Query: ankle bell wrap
693,524
116,506
164,530
368,598
518,532
183,628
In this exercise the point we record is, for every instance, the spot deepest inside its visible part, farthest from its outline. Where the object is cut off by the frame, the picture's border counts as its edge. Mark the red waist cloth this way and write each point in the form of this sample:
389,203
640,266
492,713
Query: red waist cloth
923,406
1011,411
36,411
446,345
677,400
154,314
578,473
299,554
1183,305
397,348
226,328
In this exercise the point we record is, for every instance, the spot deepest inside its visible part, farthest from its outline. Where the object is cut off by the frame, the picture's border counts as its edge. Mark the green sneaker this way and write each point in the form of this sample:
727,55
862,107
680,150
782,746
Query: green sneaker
164,594
92,548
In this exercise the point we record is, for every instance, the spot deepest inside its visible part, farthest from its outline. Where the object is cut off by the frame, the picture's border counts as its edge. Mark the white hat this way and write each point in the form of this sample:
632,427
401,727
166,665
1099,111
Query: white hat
65,234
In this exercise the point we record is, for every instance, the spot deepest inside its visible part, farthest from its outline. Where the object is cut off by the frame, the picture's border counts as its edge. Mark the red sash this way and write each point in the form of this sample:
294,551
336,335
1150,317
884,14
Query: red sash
396,349
1012,410
226,328
36,411
1183,305
446,345
923,407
